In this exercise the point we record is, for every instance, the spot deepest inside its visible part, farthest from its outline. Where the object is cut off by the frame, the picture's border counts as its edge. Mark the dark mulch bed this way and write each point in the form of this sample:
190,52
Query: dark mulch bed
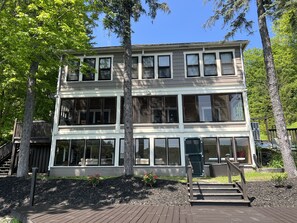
15,192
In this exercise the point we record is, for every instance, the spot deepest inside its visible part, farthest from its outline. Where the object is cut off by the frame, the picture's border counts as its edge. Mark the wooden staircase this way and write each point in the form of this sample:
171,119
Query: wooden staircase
217,194
4,167
228,194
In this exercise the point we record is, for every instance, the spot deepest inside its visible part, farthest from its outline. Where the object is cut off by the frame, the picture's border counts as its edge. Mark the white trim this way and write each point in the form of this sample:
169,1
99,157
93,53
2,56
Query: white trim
218,61
80,77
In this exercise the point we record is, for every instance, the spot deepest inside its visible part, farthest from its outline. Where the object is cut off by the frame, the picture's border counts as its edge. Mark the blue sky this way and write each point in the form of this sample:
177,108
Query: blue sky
183,24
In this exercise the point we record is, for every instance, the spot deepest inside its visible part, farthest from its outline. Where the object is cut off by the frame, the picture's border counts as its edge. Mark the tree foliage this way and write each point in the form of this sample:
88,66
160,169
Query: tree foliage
35,34
234,14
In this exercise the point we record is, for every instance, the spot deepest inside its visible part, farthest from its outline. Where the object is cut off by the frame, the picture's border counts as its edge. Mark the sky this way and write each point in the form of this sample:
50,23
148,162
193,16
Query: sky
184,24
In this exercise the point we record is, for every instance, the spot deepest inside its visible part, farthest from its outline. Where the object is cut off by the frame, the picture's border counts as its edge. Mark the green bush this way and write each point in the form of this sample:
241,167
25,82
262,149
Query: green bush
150,179
279,180
94,180
276,161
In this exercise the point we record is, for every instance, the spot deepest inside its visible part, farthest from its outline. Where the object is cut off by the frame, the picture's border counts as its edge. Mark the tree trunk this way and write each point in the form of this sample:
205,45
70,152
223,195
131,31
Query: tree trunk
282,134
128,121
23,164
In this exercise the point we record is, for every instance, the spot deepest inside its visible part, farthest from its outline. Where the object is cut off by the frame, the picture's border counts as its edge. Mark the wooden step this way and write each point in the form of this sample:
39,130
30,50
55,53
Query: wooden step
213,185
218,196
215,190
221,202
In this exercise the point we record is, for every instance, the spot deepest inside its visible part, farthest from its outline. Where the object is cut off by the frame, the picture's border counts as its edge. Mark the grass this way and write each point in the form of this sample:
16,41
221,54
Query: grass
249,176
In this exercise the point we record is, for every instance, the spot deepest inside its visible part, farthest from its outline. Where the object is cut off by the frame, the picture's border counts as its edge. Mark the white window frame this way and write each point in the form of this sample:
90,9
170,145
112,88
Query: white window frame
97,58
218,62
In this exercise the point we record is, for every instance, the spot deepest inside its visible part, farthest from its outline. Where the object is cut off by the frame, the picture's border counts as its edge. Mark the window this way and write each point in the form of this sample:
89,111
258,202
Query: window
162,109
167,151
73,70
107,152
213,108
210,67
88,111
105,68
227,66
134,67
192,61
216,149
242,146
62,153
141,149
148,68
92,152
77,153
88,69
226,147
210,150
164,70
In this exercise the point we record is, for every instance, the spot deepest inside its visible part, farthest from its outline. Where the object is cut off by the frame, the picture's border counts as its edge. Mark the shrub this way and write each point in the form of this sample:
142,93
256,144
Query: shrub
150,179
279,180
94,180
276,161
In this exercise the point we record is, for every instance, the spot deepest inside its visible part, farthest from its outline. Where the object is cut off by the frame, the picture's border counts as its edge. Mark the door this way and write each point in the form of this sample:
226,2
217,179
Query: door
193,151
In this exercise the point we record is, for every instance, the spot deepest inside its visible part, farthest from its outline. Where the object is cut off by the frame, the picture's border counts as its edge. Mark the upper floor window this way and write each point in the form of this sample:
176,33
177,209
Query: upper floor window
164,70
193,69
73,70
88,69
134,67
148,67
88,111
105,68
210,66
227,65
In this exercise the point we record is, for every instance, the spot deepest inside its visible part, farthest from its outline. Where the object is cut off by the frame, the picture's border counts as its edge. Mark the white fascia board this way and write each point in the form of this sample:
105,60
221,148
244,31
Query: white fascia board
155,91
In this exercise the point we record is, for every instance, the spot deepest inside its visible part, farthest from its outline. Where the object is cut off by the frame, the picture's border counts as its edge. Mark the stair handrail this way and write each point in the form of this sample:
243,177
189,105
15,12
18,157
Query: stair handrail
241,173
5,150
190,176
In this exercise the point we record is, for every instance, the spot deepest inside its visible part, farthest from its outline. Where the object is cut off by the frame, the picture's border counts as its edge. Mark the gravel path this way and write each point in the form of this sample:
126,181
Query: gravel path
14,192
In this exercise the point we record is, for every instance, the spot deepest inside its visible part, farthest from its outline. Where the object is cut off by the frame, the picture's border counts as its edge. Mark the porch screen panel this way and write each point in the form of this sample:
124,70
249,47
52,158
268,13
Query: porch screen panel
210,150
160,152
236,107
67,112
173,152
109,111
107,152
77,153
62,153
142,151
243,152
95,111
221,110
171,109
92,152
226,147
190,108
205,111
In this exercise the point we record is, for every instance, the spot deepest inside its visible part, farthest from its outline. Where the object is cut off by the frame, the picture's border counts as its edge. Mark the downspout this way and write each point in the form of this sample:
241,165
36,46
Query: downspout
56,117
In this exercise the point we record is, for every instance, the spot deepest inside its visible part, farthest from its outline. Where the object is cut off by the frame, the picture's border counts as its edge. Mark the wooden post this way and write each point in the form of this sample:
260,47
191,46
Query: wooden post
33,184
13,153
190,180
228,168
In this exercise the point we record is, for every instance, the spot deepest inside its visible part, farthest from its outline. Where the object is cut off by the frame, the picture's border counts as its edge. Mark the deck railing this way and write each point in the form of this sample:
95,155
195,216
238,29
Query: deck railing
231,166
5,151
40,129
190,177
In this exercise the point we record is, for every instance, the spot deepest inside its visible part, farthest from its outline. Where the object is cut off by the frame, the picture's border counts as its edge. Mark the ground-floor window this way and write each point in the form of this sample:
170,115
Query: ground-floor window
141,151
216,149
167,151
82,152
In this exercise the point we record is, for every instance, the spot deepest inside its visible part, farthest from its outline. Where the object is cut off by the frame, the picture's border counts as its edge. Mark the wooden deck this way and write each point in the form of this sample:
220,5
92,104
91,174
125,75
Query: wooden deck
155,214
